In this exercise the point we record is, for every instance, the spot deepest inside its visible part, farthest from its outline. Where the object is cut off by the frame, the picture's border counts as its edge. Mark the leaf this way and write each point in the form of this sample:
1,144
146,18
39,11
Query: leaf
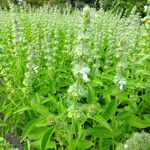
37,132
91,98
102,121
107,77
100,132
84,144
45,120
110,110
8,113
40,109
46,137
137,122
147,118
22,109
106,144
123,115
28,129
37,144
97,82
27,145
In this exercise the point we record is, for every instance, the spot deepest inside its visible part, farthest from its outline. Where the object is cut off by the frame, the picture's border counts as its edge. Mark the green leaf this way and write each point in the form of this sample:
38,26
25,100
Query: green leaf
107,77
22,109
100,132
28,129
8,113
40,109
102,121
46,137
106,143
27,145
37,144
123,115
91,98
84,144
110,110
147,118
45,120
97,82
37,132
137,122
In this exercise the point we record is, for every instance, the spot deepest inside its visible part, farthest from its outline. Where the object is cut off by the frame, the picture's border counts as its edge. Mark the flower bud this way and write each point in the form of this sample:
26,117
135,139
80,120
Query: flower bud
86,11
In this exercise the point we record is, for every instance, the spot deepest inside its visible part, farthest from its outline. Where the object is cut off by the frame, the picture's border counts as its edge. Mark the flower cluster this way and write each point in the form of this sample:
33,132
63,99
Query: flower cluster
76,90
81,70
74,112
121,66
31,68
136,142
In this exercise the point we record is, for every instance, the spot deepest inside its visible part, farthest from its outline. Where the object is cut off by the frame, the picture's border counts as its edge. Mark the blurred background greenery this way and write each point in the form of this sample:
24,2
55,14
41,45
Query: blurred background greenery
124,5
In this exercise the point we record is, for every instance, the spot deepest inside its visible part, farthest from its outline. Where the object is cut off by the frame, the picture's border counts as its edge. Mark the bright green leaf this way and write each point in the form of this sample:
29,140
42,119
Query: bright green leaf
46,137
137,122
110,110
28,129
102,121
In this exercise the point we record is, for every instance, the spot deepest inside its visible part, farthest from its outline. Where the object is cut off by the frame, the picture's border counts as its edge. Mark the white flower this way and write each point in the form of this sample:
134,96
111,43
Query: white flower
86,11
126,146
145,8
122,82
85,70
76,69
116,78
85,78
36,68
81,70
20,1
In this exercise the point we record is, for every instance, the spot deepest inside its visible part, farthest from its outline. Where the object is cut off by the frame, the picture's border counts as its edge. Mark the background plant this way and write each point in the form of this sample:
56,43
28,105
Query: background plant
73,80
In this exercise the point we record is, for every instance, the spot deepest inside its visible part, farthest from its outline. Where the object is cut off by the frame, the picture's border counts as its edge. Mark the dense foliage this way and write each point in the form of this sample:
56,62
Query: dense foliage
125,5
75,80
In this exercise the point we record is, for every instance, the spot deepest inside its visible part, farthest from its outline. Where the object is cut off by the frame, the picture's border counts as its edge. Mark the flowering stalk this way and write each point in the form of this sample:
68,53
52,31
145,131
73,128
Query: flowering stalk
28,75
119,79
80,69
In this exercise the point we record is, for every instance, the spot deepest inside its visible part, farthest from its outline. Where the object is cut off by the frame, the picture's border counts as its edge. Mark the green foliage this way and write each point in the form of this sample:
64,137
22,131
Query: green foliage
4,145
75,80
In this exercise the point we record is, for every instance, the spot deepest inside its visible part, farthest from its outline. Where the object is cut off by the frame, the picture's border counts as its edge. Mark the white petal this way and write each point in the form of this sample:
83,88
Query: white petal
121,86
85,70
85,78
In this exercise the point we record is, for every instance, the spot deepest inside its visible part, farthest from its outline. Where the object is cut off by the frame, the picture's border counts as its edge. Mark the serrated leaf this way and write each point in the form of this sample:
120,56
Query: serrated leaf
137,122
46,137
110,110
28,129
